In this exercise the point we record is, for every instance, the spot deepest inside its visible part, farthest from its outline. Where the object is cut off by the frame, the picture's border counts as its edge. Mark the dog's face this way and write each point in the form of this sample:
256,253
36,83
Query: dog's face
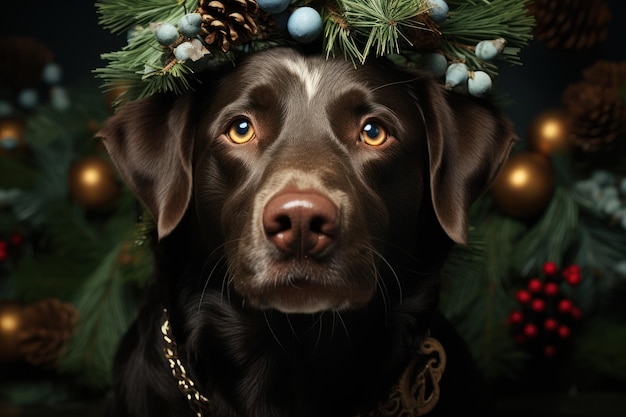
305,172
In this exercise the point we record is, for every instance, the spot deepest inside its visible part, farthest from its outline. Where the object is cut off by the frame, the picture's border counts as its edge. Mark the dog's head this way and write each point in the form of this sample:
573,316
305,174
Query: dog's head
310,173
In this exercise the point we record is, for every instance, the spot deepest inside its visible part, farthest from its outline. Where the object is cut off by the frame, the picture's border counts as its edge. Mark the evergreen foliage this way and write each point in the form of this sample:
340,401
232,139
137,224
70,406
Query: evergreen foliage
354,29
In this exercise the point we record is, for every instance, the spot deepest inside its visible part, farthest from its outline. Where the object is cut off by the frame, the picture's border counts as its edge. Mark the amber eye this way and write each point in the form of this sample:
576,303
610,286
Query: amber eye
241,131
373,134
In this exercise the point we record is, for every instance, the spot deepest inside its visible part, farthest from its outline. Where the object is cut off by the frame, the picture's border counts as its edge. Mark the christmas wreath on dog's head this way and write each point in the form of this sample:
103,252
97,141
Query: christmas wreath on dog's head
461,41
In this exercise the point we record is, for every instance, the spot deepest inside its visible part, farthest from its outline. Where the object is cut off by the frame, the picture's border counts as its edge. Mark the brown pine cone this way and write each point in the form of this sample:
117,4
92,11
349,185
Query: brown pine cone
597,110
426,36
227,23
45,328
570,24
606,73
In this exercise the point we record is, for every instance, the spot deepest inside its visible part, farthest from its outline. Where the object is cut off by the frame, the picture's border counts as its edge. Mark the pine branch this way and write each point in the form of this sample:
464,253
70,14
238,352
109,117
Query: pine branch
139,70
115,16
473,21
106,309
381,22
552,236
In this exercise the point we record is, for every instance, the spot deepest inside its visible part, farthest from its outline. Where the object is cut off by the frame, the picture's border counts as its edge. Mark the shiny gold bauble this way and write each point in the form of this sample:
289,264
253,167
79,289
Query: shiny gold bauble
92,183
10,321
11,135
549,131
524,186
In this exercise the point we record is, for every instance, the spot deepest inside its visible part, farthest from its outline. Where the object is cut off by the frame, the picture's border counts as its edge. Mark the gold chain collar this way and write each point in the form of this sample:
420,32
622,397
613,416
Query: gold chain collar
415,394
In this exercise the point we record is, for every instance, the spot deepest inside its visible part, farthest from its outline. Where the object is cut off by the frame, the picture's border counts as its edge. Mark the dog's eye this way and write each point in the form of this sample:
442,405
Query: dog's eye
241,131
373,134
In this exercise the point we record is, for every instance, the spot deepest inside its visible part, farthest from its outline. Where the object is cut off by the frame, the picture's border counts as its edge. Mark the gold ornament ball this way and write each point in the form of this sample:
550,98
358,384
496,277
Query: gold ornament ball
10,321
524,186
92,183
549,131
11,135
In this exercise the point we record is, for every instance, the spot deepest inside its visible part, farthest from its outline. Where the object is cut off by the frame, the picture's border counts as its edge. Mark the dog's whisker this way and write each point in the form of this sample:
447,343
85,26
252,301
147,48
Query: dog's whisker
206,282
293,330
345,328
319,333
269,326
217,262
399,249
392,270
409,81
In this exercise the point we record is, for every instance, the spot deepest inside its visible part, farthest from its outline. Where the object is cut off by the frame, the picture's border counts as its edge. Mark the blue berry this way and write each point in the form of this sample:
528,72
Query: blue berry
166,34
189,25
273,6
479,84
59,98
438,10
305,24
6,108
28,98
51,73
456,74
489,49
182,51
435,63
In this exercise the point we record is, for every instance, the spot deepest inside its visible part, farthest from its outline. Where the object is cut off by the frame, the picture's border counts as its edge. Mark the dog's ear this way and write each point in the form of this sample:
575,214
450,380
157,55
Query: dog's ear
151,143
468,141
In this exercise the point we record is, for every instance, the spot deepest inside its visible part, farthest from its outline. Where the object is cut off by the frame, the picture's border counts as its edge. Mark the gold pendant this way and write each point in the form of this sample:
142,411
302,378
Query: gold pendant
417,391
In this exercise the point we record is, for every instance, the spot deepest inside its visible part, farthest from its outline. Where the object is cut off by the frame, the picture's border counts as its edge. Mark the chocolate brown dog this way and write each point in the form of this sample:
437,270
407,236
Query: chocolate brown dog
303,209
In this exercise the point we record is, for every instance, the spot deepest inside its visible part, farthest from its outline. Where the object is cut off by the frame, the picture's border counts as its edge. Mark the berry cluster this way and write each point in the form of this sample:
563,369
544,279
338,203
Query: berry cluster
9,246
546,318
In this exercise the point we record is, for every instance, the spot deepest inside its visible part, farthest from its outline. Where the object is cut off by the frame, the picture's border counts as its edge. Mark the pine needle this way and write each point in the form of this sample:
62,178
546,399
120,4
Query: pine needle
106,309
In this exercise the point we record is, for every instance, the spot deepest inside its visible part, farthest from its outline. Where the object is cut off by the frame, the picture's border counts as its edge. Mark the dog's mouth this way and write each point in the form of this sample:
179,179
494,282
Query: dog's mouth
304,295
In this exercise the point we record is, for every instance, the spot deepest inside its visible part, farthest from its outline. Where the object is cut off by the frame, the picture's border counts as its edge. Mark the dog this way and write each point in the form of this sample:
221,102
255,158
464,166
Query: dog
303,207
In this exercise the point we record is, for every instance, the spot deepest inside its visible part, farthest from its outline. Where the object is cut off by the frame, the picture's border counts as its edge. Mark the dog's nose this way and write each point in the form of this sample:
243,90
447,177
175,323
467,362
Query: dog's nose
300,222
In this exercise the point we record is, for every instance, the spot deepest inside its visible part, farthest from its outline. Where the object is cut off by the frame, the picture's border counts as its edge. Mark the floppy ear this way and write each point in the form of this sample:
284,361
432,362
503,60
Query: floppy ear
151,143
468,141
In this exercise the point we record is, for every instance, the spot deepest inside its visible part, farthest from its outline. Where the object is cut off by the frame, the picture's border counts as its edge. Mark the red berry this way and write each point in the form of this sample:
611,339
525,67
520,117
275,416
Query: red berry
572,269
538,305
16,239
535,285
576,313
549,268
551,289
523,296
549,351
516,317
573,279
564,331
565,305
530,330
550,324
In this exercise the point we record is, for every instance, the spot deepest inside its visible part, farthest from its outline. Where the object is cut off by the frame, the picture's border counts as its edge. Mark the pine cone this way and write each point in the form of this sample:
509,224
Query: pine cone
426,36
570,24
597,110
46,326
227,23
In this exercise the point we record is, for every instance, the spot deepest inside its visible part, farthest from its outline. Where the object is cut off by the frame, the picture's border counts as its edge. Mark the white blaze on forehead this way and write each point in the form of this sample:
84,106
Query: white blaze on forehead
310,77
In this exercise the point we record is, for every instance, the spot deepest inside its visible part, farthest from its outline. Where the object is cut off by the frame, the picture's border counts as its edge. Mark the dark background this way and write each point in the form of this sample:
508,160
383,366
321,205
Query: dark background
70,30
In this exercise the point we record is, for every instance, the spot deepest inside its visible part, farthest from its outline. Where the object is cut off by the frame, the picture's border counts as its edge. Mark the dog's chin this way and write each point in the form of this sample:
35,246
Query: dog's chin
305,297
